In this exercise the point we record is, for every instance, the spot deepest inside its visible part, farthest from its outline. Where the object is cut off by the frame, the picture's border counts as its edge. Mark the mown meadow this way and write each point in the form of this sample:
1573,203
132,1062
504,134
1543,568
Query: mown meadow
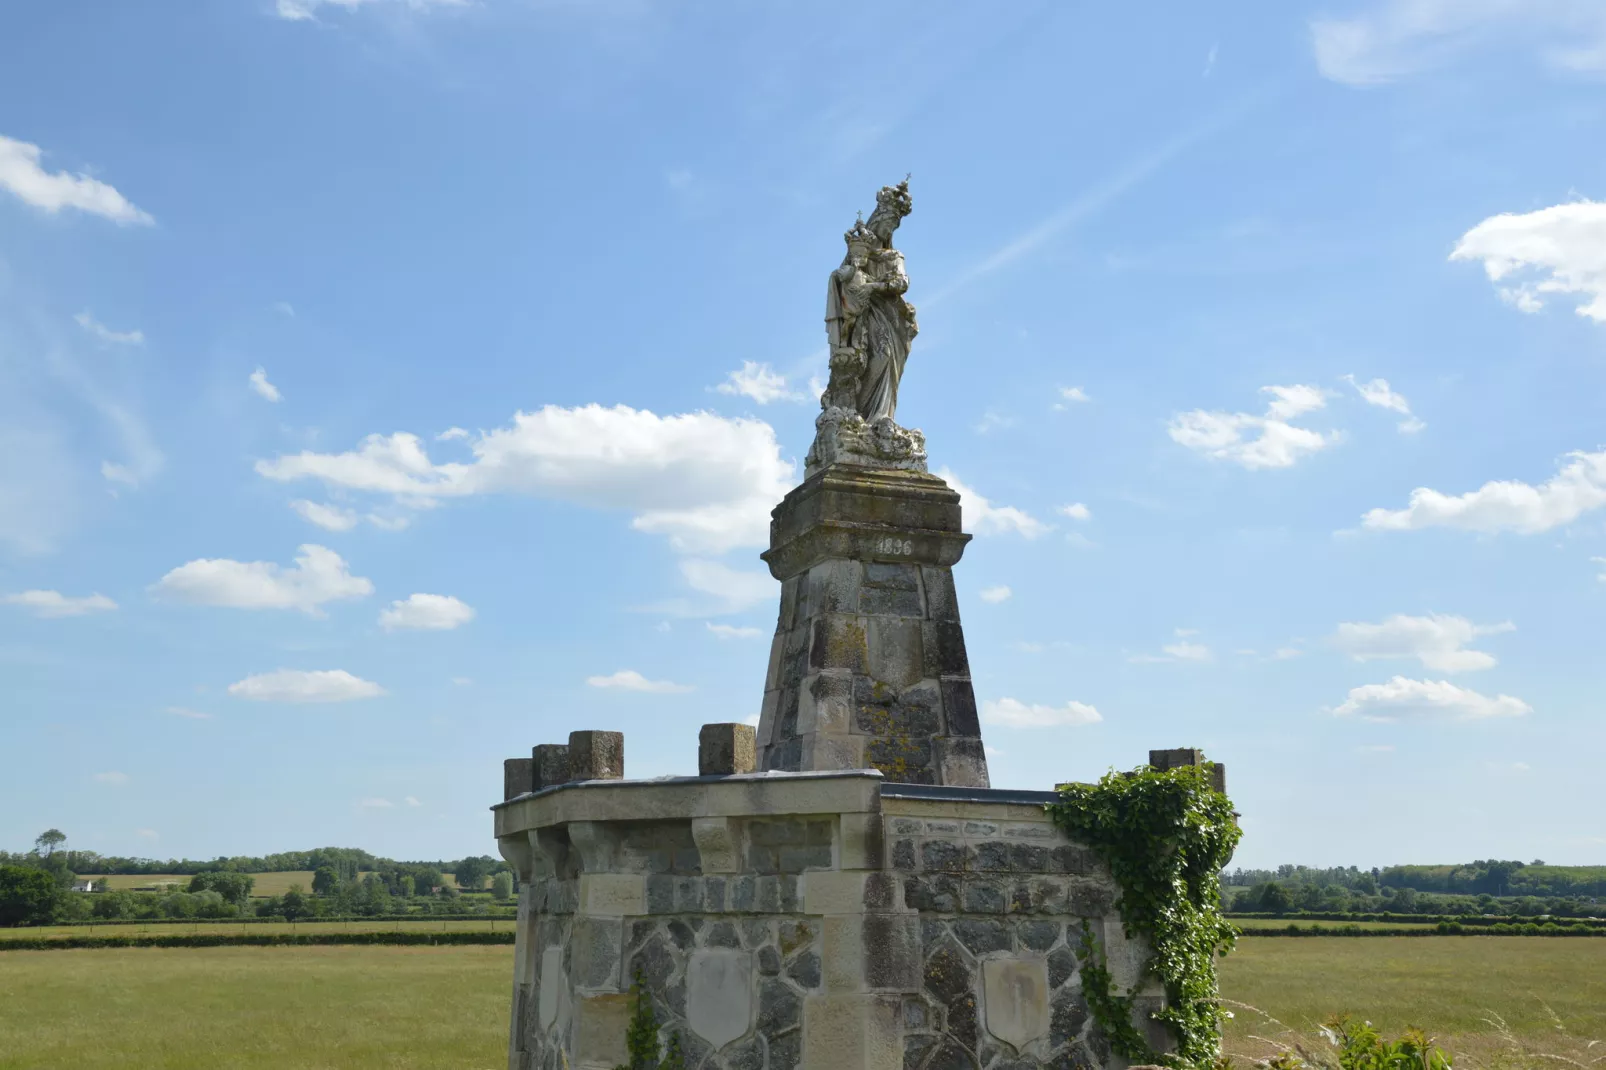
412,1008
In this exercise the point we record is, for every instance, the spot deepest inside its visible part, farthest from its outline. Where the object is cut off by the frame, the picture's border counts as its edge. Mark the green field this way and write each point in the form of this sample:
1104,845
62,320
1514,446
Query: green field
414,1008
308,1008
170,928
276,883
266,883
1551,994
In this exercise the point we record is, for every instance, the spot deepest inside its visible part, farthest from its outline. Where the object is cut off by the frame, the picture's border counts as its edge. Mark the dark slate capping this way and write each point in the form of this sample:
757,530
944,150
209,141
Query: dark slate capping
943,793
614,785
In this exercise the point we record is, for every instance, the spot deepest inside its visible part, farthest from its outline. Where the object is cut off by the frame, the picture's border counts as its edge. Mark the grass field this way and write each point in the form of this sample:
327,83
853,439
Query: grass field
309,1008
416,1008
170,928
1549,993
266,883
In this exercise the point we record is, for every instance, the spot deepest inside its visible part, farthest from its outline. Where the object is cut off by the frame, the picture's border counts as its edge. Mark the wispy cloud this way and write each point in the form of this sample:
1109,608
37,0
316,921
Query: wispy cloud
105,334
55,604
731,631
631,680
22,174
1377,392
1088,203
264,389
759,382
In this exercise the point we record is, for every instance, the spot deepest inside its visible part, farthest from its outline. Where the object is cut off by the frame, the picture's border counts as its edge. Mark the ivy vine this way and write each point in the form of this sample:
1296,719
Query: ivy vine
1165,836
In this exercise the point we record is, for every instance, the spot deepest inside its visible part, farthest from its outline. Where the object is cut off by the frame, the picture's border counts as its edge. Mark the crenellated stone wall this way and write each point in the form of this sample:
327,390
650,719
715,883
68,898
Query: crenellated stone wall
819,919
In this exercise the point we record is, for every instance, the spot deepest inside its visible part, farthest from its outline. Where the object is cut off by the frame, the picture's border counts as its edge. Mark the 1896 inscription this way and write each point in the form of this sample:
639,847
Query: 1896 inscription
895,547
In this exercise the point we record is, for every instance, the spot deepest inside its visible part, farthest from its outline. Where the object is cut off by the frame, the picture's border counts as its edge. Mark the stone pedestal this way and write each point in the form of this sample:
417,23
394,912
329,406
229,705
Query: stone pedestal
825,921
868,665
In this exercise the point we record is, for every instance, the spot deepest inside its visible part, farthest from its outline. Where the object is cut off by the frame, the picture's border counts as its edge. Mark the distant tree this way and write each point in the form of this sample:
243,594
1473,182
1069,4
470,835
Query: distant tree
234,887
471,872
294,903
1272,898
502,886
28,896
324,881
408,886
1404,901
48,841
114,905
426,879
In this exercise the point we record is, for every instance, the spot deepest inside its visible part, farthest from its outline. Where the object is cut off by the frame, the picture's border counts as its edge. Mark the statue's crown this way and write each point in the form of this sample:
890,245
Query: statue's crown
861,234
896,199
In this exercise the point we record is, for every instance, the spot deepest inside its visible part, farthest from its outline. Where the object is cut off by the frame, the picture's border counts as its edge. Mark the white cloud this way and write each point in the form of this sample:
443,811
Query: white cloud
1181,650
463,681
1401,697
1600,561
992,420
1397,38
185,711
631,680
995,595
147,834
56,604
430,612
1437,640
1505,505
1012,713
1076,511
302,686
51,191
115,779
389,523
307,10
375,804
412,801
760,382
1070,395
1268,441
705,481
1558,250
983,517
735,589
106,334
319,575
285,308
729,631
264,389
1377,392
328,517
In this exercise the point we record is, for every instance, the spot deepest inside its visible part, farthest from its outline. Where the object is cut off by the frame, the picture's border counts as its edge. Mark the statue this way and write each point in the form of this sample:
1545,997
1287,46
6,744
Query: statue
871,329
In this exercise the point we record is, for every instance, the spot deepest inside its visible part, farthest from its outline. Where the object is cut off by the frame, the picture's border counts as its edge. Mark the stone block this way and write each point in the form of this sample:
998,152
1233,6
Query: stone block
596,755
1175,758
962,762
941,601
892,951
823,752
944,646
857,1031
600,1036
596,953
825,704
614,894
726,749
518,777
550,765
837,641
833,587
959,703
896,651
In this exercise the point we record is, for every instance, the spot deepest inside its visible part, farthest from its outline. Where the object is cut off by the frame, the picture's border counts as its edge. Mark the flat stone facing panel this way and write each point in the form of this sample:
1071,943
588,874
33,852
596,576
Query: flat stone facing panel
1015,997
868,666
719,994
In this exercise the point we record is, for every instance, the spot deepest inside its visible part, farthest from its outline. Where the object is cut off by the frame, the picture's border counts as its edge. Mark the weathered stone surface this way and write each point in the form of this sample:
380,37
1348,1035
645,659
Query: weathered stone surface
518,777
554,988
779,1008
982,936
719,995
726,749
549,765
1069,1016
1015,999
596,755
596,952
1038,935
1062,966
600,1037
805,970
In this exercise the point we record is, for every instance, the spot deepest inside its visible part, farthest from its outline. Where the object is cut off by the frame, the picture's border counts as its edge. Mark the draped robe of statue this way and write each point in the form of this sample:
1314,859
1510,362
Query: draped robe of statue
886,331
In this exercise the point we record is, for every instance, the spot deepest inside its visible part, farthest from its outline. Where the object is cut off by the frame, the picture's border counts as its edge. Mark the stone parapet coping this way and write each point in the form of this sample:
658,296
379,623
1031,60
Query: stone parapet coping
679,798
941,793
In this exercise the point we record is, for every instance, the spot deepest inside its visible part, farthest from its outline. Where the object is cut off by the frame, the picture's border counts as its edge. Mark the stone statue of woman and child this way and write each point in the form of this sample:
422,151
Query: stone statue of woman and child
871,328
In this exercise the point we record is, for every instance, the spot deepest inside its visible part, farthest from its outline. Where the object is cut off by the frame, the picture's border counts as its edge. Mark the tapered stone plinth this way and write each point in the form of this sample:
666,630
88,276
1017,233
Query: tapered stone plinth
868,666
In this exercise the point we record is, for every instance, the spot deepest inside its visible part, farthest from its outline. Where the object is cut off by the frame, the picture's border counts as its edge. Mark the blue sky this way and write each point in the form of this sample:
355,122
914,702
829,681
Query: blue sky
387,387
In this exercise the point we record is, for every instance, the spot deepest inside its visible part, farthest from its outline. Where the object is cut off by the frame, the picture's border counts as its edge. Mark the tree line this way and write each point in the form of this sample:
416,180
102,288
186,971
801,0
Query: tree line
36,886
1494,887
